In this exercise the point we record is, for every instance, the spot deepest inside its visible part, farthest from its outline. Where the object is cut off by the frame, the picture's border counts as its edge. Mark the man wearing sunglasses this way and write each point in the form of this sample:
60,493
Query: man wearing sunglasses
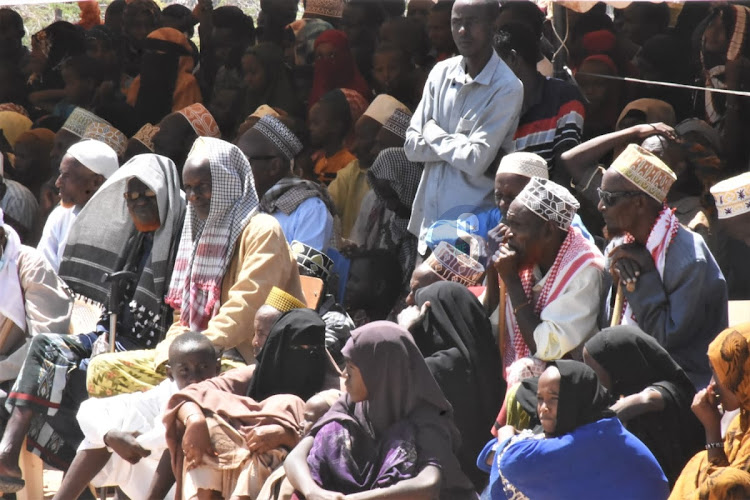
673,288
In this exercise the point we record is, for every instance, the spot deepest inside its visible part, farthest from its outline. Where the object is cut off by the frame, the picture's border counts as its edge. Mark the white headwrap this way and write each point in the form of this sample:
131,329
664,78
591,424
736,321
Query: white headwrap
95,156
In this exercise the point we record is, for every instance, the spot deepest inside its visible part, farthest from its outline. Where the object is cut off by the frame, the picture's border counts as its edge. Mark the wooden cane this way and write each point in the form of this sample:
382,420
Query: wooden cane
501,319
619,301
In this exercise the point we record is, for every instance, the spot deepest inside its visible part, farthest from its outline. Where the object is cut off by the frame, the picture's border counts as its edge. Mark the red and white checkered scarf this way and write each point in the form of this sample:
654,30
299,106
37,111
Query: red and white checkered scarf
661,236
206,247
576,253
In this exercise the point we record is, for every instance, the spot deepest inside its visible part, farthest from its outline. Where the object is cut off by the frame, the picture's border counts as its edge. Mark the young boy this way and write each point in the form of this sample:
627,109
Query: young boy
131,426
329,122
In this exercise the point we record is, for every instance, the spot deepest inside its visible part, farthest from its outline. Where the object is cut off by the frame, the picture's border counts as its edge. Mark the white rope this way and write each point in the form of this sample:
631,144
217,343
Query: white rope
664,84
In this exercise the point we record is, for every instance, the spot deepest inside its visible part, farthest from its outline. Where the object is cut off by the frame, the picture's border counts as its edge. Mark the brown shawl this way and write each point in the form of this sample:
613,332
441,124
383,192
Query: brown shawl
223,395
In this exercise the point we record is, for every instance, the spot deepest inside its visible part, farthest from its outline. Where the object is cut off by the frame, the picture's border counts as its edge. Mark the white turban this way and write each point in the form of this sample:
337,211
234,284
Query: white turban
96,156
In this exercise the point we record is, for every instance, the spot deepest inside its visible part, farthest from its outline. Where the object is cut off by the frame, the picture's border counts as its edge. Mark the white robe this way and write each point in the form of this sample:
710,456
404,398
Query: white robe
141,412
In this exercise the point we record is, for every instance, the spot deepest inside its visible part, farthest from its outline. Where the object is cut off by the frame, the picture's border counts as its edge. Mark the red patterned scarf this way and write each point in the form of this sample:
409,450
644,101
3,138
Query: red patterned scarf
661,236
575,254
206,247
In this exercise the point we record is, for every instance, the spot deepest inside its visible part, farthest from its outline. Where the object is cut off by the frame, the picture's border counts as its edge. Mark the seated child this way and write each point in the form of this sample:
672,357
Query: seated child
131,426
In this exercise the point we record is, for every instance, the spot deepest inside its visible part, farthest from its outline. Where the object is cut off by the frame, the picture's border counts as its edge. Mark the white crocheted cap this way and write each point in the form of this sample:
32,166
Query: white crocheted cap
550,201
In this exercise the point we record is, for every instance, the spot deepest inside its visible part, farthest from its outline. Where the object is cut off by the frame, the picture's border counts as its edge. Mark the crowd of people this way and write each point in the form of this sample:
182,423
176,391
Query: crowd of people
374,249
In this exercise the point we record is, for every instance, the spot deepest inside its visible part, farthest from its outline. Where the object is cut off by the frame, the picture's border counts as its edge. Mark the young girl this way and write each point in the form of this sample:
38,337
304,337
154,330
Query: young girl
391,434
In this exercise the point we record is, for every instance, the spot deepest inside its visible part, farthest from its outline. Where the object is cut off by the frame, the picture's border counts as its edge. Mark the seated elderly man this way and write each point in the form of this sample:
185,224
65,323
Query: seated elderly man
229,258
552,279
83,169
303,208
673,287
733,210
35,300
513,173
144,211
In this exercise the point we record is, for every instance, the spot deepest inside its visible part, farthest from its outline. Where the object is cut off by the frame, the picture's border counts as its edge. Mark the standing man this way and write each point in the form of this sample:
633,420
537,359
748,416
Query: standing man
469,110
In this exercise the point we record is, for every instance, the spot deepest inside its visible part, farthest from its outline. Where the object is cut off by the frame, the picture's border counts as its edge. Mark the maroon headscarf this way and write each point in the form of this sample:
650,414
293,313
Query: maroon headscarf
400,387
339,72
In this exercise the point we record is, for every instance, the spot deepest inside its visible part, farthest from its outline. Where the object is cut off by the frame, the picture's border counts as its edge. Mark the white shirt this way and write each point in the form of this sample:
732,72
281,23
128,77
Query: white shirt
139,411
55,234
457,130
570,319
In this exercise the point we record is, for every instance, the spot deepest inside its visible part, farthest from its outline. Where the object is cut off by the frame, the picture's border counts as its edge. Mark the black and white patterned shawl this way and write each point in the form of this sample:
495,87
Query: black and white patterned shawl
98,240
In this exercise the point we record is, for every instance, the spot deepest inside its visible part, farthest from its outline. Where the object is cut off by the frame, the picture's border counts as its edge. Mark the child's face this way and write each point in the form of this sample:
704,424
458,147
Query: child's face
388,70
365,132
253,73
77,90
191,367
315,408
319,124
361,285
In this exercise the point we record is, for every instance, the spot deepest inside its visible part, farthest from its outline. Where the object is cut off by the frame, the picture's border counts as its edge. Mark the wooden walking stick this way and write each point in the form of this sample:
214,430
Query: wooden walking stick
619,301
501,319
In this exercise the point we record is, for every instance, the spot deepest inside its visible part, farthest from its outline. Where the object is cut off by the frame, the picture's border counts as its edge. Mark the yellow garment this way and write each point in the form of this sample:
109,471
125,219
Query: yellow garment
13,125
186,89
261,260
347,192
327,168
516,416
110,374
729,354
282,301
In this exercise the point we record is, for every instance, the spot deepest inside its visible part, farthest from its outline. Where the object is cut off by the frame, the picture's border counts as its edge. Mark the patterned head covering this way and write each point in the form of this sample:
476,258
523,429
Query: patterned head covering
451,264
398,123
732,196
280,135
201,120
282,301
206,246
646,171
79,120
525,164
11,106
729,354
328,8
312,262
306,31
550,201
108,135
146,135
383,107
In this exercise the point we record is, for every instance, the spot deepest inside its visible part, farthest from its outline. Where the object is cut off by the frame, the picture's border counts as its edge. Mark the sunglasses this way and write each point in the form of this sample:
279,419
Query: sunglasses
610,198
134,195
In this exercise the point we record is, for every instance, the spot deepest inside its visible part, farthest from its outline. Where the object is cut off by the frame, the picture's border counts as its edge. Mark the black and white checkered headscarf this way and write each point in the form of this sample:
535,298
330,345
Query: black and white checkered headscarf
206,247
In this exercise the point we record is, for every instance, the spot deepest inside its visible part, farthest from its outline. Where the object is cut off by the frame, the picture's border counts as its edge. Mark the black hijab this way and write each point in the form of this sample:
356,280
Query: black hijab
293,359
635,360
456,340
582,399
